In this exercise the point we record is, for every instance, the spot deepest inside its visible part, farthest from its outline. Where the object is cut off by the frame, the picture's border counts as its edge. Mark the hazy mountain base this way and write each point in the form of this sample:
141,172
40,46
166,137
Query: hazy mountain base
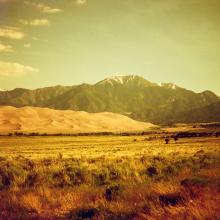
209,113
131,95
109,178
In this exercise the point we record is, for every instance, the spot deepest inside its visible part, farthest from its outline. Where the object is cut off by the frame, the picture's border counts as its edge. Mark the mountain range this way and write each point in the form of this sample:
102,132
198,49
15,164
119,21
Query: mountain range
130,95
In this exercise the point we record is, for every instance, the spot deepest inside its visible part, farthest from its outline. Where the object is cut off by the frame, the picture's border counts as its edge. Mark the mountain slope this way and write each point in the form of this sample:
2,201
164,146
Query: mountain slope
35,119
210,113
130,95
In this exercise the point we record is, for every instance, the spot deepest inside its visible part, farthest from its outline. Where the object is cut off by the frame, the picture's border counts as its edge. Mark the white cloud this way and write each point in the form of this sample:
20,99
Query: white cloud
81,2
49,10
35,22
8,69
44,8
28,45
11,33
5,48
40,22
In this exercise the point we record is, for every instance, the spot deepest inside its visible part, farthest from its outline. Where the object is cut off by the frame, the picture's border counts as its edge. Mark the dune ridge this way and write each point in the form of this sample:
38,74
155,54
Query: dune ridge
36,119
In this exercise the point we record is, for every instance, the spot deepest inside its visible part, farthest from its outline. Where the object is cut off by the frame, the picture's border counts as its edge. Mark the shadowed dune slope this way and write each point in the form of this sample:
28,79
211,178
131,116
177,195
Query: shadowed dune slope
35,119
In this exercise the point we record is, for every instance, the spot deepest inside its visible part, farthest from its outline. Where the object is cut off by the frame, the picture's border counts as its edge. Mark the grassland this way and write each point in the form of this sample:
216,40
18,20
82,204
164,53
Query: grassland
109,177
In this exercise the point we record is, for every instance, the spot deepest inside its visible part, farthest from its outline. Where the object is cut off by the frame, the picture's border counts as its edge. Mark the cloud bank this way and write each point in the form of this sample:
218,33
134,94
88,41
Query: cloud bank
5,48
11,33
81,2
35,22
44,8
8,69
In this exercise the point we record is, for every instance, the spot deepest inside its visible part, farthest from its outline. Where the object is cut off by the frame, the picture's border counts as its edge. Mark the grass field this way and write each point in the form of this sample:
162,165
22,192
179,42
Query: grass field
109,177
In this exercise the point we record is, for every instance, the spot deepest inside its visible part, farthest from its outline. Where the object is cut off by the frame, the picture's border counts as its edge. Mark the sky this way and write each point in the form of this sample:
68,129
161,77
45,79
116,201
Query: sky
69,42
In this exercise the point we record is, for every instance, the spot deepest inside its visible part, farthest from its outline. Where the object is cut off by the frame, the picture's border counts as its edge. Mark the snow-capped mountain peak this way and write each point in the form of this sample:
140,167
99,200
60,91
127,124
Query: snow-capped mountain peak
132,80
118,79
167,85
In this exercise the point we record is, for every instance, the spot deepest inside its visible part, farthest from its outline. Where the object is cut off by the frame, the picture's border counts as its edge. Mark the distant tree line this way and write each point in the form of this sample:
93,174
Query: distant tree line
175,136
80,134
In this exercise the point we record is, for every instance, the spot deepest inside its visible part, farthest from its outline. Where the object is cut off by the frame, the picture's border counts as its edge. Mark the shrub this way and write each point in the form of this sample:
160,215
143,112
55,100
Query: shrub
151,171
84,213
167,140
171,199
12,174
101,178
61,179
6,178
175,138
113,191
47,162
194,181
33,179
169,170
1,183
77,175
29,165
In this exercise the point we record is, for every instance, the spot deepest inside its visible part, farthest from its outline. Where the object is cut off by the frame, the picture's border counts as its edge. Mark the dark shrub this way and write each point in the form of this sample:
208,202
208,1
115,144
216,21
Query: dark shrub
151,171
169,170
33,179
85,213
175,138
113,191
61,179
171,199
167,140
129,215
29,165
6,178
1,183
195,181
77,176
47,162
114,174
193,185
101,178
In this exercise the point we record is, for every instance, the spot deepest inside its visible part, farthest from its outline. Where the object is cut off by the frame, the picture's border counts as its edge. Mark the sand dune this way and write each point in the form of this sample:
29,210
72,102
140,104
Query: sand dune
35,119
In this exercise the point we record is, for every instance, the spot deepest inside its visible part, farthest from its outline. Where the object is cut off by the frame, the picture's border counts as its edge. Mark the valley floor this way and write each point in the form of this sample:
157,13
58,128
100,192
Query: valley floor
109,177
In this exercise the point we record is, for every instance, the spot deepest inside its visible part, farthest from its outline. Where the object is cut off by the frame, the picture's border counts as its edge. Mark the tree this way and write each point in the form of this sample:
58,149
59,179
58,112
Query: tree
175,138
167,140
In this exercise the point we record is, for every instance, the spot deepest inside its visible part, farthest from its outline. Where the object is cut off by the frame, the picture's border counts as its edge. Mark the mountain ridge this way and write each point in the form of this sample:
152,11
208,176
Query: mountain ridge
144,100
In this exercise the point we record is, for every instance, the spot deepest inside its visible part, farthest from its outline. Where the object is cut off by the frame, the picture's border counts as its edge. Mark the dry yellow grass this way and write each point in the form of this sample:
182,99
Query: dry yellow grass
110,177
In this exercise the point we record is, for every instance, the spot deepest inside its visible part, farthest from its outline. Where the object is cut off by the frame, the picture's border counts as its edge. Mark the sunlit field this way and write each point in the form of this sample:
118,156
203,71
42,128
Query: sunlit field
109,177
